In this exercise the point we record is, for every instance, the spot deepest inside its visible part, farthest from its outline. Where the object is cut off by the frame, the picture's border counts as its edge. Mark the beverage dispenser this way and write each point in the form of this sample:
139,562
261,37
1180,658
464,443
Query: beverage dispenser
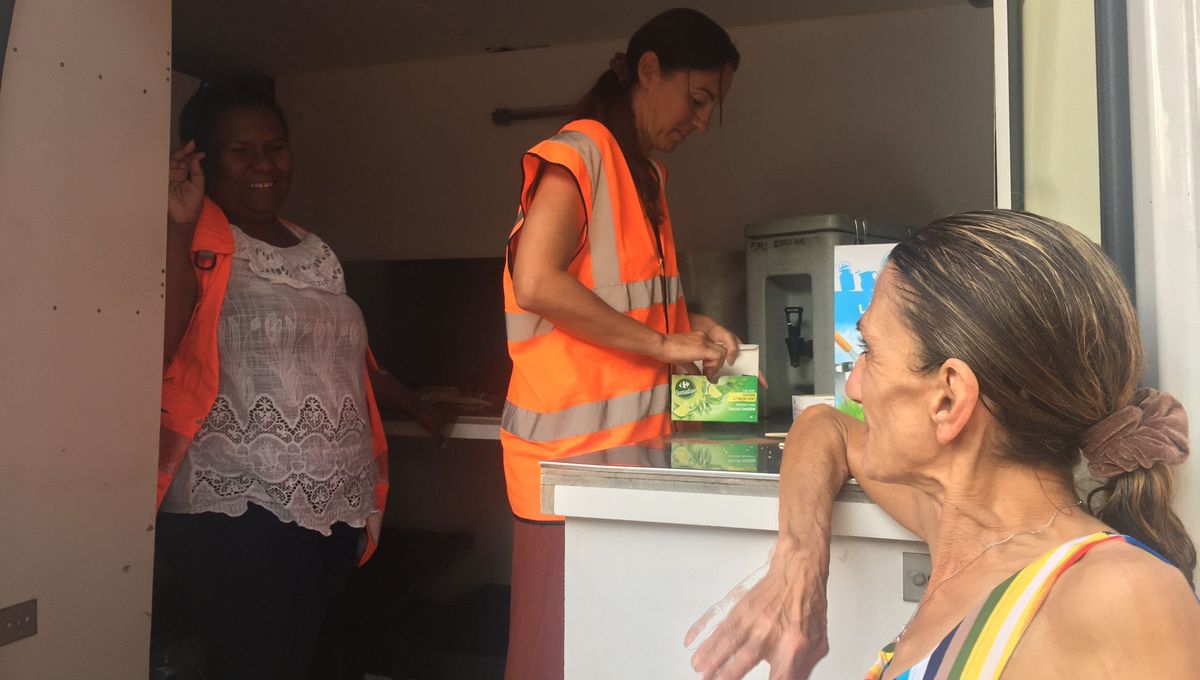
789,289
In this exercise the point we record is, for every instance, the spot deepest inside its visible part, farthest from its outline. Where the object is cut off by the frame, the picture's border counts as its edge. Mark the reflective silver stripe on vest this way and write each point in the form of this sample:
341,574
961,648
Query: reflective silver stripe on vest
627,297
522,327
624,298
595,416
601,229
674,290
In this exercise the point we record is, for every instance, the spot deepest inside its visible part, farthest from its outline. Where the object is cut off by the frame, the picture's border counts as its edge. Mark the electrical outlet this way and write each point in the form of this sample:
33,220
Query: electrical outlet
18,622
916,569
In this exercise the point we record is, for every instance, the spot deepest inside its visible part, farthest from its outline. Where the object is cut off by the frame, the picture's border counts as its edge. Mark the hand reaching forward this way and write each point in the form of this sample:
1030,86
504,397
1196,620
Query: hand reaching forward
781,619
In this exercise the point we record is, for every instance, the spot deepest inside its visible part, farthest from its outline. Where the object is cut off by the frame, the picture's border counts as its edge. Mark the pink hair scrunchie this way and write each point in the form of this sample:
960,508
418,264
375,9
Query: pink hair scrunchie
1151,430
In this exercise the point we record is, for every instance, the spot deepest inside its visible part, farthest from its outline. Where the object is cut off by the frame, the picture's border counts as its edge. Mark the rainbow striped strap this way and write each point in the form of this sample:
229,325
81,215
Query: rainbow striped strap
979,647
990,638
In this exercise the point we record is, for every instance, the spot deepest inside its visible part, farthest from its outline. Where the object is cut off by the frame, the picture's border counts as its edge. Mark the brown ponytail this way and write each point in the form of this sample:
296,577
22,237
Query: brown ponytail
1137,503
608,102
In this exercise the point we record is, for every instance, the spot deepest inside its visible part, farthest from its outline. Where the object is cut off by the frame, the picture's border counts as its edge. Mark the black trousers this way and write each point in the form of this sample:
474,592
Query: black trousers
257,590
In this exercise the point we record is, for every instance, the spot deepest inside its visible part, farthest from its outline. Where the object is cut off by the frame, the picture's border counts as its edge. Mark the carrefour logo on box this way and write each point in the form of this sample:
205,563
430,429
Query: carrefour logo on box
685,389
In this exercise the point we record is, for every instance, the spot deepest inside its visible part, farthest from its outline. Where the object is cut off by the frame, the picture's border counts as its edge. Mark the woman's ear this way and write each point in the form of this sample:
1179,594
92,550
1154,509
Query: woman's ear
955,399
649,69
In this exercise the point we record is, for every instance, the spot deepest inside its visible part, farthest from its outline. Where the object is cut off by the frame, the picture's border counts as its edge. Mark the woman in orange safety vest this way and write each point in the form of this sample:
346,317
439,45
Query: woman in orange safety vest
594,311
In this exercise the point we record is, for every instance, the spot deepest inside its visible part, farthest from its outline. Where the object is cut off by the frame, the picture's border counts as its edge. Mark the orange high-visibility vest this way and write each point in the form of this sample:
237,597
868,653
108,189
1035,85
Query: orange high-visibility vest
190,380
566,395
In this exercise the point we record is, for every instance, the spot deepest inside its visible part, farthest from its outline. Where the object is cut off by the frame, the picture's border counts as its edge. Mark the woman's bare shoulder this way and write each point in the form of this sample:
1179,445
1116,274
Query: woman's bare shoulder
1122,608
1121,561
1115,575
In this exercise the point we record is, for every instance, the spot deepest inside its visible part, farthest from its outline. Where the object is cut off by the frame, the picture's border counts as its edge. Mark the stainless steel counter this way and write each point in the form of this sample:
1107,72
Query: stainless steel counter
736,461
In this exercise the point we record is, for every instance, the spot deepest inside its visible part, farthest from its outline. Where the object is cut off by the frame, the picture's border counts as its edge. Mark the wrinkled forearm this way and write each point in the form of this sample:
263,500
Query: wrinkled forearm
812,472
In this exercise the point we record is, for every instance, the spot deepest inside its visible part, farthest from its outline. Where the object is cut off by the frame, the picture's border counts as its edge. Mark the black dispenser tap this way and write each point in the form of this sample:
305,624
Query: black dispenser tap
797,346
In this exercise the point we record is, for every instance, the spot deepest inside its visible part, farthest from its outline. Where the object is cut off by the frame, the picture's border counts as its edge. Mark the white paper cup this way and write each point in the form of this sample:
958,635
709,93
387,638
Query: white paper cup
803,401
745,364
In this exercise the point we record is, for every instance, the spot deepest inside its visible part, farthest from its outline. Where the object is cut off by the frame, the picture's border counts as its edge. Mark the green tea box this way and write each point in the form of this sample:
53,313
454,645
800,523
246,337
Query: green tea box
732,399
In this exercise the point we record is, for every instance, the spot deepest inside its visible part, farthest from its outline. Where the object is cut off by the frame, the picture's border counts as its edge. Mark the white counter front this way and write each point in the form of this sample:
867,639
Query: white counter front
651,544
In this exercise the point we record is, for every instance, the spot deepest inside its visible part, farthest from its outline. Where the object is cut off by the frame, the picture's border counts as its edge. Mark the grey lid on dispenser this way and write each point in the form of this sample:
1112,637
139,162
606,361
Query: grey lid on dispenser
807,224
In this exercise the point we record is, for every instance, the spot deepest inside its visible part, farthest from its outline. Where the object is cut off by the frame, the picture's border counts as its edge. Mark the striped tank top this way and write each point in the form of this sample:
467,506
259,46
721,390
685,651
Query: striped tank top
980,645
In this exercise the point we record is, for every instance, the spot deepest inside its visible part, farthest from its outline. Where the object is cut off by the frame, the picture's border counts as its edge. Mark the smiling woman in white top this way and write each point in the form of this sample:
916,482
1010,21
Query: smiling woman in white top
266,508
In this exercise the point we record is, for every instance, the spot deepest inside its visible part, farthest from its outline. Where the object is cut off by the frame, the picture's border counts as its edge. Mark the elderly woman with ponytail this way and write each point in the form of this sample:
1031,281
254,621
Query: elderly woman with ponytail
1001,354
594,310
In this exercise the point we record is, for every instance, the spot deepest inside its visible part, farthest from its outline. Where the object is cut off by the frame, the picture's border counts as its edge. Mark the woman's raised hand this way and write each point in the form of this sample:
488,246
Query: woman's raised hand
185,186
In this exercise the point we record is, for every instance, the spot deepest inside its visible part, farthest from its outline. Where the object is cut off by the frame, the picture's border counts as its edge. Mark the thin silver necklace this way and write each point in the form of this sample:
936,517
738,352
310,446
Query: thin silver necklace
999,542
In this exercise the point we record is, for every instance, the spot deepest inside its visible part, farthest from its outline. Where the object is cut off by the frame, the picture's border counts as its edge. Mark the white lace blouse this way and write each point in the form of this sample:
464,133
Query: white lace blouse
290,430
